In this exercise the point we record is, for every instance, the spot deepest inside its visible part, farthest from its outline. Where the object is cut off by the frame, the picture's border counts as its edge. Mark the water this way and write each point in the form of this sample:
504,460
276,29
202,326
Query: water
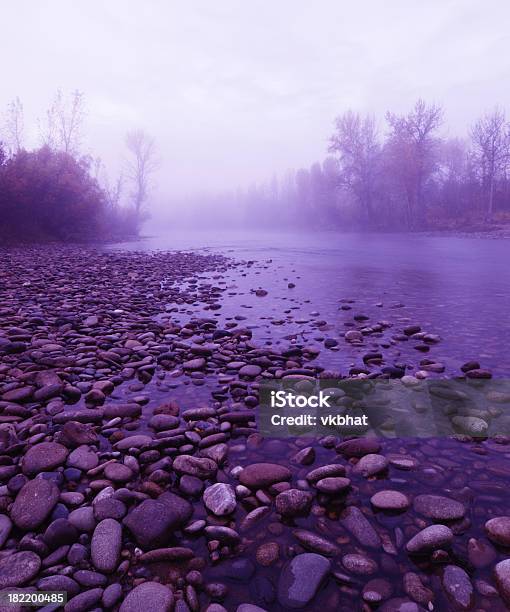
455,287
458,288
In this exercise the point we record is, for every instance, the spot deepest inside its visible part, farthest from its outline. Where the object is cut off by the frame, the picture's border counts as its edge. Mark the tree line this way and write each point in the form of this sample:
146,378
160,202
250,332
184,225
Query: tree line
54,191
405,175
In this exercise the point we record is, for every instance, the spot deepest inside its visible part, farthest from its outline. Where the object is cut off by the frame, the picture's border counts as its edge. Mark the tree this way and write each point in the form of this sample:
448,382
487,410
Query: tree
141,167
412,146
13,130
64,122
355,141
491,141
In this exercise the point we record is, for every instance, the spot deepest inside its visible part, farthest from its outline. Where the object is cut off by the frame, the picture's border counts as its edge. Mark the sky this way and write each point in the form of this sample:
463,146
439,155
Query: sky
236,91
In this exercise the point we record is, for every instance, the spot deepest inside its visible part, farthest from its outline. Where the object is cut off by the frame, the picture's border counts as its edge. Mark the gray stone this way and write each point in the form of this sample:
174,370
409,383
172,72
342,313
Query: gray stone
438,507
458,587
84,458
148,596
263,475
301,578
18,568
220,499
201,467
390,500
430,538
502,573
293,502
498,530
356,523
34,503
106,545
43,457
370,465
84,601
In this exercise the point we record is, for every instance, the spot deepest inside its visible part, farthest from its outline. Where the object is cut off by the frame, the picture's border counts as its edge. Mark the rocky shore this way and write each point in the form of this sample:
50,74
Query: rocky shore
132,475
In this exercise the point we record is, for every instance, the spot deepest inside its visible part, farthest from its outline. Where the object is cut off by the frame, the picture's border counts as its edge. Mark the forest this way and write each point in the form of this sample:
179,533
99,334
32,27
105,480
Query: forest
402,176
56,192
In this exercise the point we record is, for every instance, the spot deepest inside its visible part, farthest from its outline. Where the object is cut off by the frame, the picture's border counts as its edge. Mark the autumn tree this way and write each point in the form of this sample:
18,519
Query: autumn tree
13,126
356,144
412,147
142,164
62,128
490,136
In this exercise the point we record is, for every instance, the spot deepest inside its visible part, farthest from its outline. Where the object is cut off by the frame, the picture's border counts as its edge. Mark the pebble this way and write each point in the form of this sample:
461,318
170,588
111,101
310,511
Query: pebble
34,503
43,457
458,587
498,530
301,578
148,596
263,475
220,499
106,545
390,500
293,502
18,568
430,538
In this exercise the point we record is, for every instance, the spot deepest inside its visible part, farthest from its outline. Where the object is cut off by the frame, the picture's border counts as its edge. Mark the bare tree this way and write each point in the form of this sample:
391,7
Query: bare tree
413,146
356,143
491,141
62,129
141,166
14,126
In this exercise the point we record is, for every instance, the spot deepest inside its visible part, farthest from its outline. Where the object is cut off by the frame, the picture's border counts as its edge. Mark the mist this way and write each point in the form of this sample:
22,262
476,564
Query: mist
235,96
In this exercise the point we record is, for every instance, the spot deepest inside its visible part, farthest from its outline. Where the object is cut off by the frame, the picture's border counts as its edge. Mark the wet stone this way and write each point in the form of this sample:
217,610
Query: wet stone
106,545
438,507
18,568
390,500
263,475
301,578
430,538
148,596
458,587
498,530
356,523
294,502
220,499
34,503
43,457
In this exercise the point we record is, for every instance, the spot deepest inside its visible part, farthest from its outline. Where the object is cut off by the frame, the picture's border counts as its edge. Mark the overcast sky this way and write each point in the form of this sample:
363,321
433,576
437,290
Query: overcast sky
237,90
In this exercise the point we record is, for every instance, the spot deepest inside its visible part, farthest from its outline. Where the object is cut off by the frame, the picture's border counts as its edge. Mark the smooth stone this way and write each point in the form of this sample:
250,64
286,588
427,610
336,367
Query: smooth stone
333,485
502,574
356,523
84,601
60,532
5,528
106,545
293,502
268,553
417,591
301,579
370,465
315,543
458,587
377,590
111,595
118,472
251,371
263,475
438,507
109,507
430,538
59,583
148,596
390,500
43,457
153,522
83,519
220,499
84,458
18,568
326,471
136,441
34,503
200,467
358,447
498,530
359,564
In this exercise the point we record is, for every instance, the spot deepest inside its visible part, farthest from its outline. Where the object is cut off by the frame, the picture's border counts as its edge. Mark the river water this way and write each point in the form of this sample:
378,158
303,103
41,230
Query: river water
458,288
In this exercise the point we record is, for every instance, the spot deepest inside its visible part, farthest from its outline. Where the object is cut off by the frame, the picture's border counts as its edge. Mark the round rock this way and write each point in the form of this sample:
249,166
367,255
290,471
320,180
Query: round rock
18,568
498,530
43,457
390,500
106,545
438,507
220,499
301,578
34,503
262,475
148,596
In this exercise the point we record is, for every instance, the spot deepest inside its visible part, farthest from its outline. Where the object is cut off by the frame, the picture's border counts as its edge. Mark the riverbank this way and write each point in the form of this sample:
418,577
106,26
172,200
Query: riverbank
131,467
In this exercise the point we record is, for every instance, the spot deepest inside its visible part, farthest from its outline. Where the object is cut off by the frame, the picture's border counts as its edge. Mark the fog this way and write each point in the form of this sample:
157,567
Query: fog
234,93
